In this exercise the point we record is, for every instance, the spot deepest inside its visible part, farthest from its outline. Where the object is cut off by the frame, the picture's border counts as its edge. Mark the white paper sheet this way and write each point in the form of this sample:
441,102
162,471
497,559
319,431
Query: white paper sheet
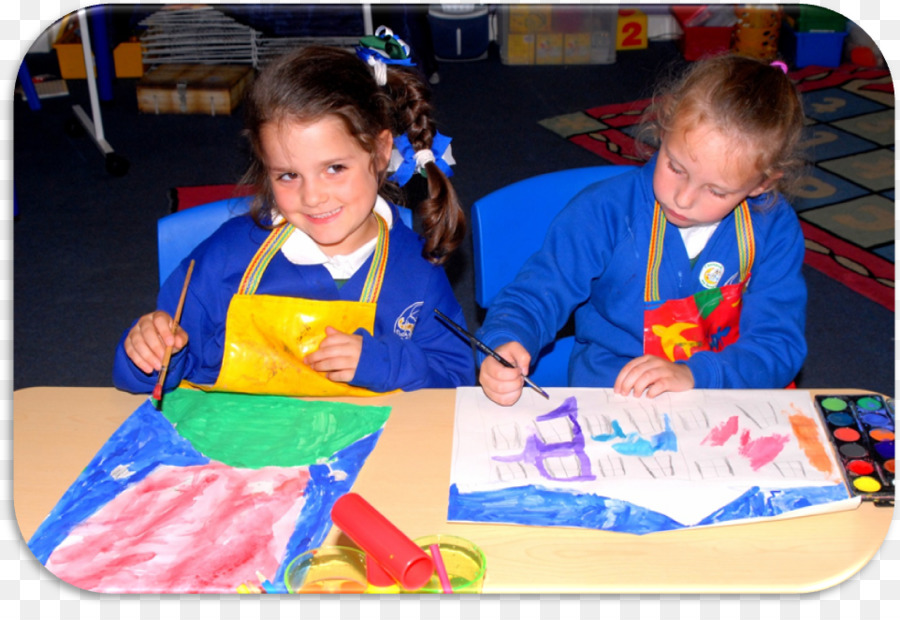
684,455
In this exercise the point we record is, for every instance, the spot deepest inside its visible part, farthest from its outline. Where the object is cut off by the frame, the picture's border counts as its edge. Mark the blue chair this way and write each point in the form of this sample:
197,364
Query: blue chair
180,232
508,226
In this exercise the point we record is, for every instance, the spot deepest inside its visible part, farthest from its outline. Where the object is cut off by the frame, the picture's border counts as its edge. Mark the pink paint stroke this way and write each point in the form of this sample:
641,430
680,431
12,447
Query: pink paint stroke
763,450
186,529
723,432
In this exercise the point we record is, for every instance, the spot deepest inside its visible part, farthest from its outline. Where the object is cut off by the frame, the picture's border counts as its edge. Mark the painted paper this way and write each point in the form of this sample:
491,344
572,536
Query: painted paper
590,458
207,495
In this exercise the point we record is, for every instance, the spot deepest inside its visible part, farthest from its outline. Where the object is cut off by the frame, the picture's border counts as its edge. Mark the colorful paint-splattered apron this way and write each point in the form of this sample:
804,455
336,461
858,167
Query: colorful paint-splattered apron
267,336
708,320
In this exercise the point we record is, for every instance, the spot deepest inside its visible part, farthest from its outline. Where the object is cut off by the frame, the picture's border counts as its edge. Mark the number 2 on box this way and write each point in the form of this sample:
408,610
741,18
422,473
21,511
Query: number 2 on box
632,32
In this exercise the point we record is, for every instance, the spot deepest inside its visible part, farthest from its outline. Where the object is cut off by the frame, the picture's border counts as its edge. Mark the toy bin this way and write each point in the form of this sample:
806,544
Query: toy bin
700,41
460,35
823,49
817,19
534,34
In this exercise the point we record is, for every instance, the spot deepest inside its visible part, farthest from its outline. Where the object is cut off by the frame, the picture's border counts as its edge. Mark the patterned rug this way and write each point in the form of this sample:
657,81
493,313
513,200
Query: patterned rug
846,202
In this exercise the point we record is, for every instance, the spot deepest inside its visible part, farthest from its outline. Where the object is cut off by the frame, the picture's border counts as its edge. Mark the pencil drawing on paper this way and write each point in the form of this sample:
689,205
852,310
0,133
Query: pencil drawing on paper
640,465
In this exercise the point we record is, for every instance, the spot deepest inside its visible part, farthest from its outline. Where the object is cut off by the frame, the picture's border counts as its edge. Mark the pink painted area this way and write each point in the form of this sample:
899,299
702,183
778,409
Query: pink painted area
186,529
763,450
723,432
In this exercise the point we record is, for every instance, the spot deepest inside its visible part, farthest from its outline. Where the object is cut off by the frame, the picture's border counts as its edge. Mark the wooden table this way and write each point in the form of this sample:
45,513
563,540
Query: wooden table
57,431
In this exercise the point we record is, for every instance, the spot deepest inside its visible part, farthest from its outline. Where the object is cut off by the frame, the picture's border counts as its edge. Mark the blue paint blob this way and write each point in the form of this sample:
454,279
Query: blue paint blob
635,445
840,419
666,440
617,433
533,505
885,449
875,420
758,502
322,490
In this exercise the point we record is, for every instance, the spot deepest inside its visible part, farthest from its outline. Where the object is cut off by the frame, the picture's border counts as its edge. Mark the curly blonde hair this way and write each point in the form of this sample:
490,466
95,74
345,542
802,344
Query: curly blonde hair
743,97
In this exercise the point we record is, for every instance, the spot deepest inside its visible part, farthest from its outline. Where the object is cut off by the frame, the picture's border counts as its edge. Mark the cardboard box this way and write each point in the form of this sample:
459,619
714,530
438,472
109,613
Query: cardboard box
69,51
631,30
528,19
193,89
70,57
518,49
128,60
548,48
577,48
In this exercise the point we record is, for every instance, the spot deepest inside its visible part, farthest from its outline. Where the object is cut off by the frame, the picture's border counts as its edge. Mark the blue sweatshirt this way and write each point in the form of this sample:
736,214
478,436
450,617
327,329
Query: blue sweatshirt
409,349
593,263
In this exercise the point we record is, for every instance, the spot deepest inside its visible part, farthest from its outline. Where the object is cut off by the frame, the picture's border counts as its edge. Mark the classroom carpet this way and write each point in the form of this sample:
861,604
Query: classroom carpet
846,200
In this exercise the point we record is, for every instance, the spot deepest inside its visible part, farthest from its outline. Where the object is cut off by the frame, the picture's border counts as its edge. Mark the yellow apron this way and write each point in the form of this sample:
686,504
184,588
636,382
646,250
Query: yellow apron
267,336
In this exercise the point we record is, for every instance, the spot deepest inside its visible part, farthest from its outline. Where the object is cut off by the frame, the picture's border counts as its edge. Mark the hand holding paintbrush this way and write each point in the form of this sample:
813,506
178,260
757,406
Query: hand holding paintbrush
157,391
488,351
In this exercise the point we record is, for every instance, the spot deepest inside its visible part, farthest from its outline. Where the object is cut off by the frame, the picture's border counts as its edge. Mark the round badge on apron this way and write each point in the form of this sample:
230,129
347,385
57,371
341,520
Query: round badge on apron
708,320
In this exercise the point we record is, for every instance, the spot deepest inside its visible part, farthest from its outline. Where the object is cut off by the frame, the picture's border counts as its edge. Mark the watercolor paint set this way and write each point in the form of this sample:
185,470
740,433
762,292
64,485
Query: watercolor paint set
861,427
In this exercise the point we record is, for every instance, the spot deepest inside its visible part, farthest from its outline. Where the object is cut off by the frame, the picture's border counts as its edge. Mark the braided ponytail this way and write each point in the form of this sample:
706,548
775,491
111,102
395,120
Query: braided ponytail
442,217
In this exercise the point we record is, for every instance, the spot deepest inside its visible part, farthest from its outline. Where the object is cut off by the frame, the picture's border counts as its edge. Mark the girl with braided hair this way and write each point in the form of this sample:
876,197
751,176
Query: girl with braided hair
321,289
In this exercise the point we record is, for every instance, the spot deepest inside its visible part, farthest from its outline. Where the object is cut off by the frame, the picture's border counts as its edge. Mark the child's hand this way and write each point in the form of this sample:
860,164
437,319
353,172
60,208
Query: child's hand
146,343
337,356
501,384
653,374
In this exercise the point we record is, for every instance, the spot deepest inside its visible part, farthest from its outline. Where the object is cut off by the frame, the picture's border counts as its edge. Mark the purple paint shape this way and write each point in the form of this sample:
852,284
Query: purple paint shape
536,451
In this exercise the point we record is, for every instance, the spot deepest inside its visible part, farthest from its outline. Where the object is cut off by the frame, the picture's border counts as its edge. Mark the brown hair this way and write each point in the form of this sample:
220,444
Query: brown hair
317,81
741,96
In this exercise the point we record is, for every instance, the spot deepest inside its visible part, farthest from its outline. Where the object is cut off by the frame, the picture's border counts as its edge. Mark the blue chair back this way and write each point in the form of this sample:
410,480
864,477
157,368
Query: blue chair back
508,226
180,232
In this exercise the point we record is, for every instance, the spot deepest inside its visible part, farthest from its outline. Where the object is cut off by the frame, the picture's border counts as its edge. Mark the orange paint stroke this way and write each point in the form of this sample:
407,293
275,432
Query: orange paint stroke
807,432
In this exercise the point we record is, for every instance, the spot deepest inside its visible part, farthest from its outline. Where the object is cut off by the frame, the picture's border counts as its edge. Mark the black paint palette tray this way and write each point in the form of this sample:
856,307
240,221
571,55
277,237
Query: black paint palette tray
861,427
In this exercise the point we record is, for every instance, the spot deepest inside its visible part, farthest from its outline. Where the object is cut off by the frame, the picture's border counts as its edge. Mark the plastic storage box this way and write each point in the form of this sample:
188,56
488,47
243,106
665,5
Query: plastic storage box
823,49
818,19
701,41
460,35
551,35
